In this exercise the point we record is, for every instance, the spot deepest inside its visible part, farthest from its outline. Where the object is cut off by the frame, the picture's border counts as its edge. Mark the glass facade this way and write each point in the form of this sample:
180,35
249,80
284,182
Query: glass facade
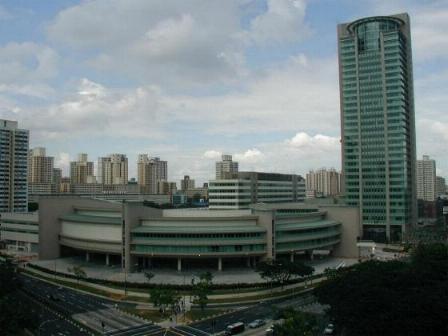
377,117
13,167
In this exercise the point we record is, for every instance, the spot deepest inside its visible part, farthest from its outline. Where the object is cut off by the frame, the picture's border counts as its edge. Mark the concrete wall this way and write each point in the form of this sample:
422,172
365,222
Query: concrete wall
265,220
351,229
132,213
50,209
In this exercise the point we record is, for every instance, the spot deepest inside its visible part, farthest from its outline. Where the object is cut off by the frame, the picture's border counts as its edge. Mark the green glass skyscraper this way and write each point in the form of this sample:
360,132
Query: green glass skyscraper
377,123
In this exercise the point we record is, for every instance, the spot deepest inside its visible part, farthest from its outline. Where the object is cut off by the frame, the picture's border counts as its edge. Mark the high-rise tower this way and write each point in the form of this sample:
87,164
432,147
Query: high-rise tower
14,143
377,123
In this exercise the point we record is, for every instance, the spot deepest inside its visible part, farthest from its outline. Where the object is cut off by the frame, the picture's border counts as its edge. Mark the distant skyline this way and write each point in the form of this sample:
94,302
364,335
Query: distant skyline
189,80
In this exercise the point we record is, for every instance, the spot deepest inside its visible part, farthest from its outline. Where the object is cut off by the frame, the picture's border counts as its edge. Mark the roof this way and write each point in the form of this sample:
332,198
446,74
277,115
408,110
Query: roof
306,225
91,219
197,229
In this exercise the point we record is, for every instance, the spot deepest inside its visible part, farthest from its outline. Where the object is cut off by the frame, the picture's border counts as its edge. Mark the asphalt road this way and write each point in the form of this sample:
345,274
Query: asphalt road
50,322
94,312
263,311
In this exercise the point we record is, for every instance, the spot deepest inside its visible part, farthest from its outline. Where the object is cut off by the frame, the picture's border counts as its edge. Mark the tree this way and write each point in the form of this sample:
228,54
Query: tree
296,323
163,298
391,298
78,272
149,276
202,289
16,313
281,271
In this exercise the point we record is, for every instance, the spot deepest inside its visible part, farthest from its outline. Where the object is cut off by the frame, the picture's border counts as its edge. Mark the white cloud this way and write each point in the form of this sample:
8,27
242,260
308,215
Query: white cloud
212,154
283,22
63,161
162,41
316,142
250,156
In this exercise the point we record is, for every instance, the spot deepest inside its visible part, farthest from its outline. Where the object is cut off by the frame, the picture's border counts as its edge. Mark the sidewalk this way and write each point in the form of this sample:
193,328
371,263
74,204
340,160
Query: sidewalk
146,295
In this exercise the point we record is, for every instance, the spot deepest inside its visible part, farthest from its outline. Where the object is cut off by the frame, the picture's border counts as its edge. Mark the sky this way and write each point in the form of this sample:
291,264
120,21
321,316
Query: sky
188,80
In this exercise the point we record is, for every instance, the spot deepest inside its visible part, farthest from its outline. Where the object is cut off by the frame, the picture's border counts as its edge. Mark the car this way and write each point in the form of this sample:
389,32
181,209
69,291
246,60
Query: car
235,328
257,323
269,331
329,330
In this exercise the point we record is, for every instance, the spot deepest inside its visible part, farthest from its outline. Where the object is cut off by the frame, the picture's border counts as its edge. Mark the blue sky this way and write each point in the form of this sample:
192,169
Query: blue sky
187,80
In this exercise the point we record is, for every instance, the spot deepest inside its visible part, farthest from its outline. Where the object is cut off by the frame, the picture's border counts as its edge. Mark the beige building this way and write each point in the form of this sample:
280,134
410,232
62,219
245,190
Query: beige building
226,168
166,188
57,176
113,169
40,167
79,170
131,234
149,172
186,183
426,179
323,182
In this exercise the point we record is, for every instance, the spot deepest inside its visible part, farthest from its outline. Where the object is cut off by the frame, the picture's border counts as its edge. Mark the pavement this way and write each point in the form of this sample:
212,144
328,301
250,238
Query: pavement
95,269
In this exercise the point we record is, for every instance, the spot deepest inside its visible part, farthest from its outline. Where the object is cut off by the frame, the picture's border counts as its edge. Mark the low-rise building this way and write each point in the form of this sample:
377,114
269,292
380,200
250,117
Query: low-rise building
130,233
20,231
254,187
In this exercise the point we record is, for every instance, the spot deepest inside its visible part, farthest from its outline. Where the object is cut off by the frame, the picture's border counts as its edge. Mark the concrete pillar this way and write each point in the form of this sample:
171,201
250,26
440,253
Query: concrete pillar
219,264
107,259
149,262
311,255
248,262
292,257
179,264
87,256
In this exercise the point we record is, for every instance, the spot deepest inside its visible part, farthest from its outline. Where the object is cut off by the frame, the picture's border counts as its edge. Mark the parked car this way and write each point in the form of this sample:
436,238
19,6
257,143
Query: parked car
329,330
257,323
269,331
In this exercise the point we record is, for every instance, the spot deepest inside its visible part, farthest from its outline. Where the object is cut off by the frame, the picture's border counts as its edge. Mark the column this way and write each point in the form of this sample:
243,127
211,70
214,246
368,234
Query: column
179,264
292,257
87,256
107,259
311,255
219,264
248,262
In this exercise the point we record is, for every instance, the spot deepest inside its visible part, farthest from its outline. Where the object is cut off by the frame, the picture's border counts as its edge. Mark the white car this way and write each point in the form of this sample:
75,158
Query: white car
257,323
329,330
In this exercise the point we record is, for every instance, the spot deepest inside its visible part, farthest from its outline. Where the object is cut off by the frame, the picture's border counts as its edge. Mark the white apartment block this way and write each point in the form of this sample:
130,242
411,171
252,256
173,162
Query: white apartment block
426,179
113,169
14,144
323,182
226,168
255,187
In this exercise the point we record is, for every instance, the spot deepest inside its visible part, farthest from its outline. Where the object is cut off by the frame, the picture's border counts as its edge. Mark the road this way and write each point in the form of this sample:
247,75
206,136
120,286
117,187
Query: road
100,314
96,313
50,322
263,311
